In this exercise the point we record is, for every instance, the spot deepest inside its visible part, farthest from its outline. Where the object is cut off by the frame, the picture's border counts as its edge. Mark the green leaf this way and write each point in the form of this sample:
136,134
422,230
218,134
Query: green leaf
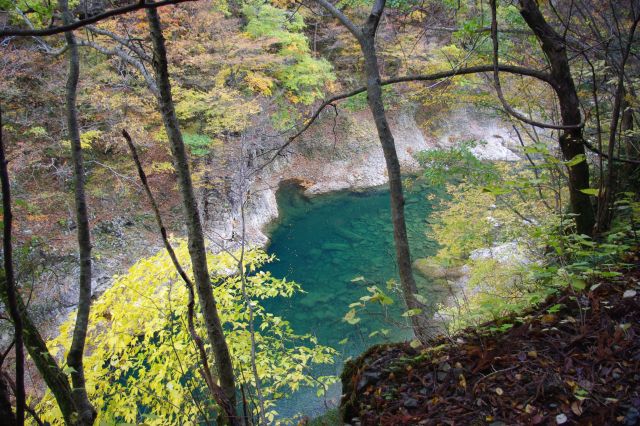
576,160
578,283
420,298
555,308
412,312
69,370
590,191
495,190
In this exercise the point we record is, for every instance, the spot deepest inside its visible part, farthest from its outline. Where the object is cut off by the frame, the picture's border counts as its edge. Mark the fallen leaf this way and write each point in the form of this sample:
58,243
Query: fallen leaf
462,381
537,419
576,407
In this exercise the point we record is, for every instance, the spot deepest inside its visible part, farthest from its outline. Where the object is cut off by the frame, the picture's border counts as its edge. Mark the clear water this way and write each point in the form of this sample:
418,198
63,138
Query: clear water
323,243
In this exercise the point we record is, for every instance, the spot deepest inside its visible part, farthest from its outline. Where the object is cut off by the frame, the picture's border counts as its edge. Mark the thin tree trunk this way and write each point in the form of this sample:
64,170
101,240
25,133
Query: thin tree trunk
244,196
205,371
607,199
197,248
366,38
87,412
403,253
571,140
6,412
54,377
11,290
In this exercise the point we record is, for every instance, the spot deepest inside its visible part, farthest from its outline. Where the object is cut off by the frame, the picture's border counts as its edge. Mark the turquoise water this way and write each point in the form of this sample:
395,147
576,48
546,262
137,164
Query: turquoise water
323,243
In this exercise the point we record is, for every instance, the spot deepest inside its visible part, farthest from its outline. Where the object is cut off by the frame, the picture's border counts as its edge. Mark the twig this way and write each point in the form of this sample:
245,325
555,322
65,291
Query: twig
142,4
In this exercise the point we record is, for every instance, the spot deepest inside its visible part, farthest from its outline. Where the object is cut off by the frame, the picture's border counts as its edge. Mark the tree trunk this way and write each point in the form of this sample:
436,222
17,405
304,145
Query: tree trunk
629,170
54,377
6,413
403,254
571,140
197,248
11,289
87,412
366,38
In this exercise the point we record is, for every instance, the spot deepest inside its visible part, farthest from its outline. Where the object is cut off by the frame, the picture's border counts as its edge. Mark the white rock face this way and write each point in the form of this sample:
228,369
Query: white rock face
351,158
494,150
322,163
264,206
508,253
493,138
361,164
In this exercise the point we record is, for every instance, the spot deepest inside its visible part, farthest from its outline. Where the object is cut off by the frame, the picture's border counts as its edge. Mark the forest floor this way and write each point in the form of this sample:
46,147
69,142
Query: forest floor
575,359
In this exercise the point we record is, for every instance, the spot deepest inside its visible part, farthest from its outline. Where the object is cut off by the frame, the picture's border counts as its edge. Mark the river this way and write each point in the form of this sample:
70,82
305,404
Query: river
336,245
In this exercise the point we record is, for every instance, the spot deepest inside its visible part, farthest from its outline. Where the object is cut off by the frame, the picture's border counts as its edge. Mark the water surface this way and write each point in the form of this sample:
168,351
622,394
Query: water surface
324,243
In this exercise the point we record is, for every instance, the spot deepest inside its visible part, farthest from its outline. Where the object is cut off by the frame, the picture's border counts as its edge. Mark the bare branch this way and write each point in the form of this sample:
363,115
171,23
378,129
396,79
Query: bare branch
496,79
357,32
142,4
122,40
125,57
45,46
371,25
540,75
595,150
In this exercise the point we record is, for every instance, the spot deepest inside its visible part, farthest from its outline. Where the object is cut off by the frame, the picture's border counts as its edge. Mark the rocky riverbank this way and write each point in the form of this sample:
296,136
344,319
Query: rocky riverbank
343,153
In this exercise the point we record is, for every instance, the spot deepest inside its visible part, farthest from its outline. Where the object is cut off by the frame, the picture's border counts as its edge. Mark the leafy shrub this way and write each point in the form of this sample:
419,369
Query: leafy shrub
145,370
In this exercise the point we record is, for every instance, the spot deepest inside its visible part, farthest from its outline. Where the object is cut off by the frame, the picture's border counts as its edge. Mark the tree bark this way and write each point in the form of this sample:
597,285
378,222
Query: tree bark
6,413
571,140
87,412
54,377
403,252
366,38
196,241
11,292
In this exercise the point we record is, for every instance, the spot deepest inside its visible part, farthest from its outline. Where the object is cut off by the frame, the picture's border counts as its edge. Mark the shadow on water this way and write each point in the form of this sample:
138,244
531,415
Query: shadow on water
323,243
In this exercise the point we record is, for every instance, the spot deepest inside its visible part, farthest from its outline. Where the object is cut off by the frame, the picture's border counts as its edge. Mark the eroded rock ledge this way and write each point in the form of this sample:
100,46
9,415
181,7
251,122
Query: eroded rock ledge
343,152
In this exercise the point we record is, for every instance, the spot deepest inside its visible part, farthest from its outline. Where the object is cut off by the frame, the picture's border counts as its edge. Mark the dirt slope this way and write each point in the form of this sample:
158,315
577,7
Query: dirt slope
576,365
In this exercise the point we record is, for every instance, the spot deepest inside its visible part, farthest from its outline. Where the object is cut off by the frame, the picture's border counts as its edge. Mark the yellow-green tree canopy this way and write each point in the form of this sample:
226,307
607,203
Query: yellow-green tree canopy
144,370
